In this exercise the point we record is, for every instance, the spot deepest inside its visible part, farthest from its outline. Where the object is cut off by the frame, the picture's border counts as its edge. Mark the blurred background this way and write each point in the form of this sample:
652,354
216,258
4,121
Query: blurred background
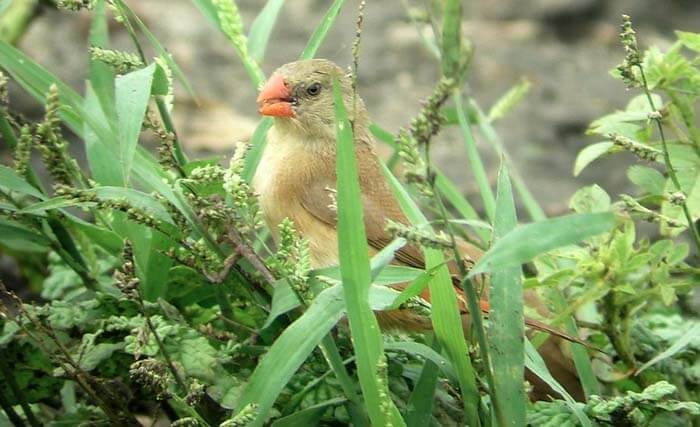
565,48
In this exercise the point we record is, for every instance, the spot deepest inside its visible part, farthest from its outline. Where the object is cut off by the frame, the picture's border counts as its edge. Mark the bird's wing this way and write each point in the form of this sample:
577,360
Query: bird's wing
379,205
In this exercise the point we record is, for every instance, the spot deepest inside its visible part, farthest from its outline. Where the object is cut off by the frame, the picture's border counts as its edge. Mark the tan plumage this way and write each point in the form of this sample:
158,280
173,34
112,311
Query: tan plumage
297,175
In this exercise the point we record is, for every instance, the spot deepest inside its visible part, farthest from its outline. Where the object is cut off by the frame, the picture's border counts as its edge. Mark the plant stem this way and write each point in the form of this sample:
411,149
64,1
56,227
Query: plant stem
667,160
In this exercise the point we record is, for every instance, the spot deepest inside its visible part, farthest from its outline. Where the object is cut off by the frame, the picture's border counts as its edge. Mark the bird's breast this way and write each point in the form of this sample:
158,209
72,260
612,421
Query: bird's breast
284,172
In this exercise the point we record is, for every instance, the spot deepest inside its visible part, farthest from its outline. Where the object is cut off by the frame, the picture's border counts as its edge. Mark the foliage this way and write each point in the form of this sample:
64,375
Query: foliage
160,297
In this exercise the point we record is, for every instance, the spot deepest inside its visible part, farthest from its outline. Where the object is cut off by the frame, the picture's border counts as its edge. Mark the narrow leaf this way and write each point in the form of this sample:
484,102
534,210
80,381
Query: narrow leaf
506,318
355,272
132,93
261,28
527,241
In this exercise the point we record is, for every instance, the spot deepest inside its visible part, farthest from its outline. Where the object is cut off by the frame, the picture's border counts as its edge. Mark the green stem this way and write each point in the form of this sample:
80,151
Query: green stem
667,160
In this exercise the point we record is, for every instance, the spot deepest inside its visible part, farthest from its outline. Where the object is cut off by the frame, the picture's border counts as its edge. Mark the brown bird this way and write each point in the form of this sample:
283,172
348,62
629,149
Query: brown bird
297,174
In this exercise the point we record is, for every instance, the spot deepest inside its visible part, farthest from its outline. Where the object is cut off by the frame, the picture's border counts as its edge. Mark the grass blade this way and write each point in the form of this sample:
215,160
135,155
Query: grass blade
527,241
475,162
531,205
425,352
290,350
692,333
132,93
322,30
445,313
355,272
535,363
506,319
464,208
420,403
261,28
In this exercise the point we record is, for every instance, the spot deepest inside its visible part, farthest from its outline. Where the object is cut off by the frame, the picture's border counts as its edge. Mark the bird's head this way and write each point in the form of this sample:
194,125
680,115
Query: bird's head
299,95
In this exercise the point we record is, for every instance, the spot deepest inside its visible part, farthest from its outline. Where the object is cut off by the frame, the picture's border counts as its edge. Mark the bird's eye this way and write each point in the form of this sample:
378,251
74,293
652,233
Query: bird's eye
313,89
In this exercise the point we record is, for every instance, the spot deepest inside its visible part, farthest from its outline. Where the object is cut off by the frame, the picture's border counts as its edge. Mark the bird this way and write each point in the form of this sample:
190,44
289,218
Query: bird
296,179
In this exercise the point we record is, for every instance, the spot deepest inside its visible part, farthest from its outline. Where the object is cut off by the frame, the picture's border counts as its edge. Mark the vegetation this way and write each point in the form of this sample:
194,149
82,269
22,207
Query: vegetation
161,298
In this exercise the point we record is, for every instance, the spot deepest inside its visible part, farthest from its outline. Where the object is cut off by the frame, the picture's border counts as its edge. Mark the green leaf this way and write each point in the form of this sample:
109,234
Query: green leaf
36,80
589,154
9,180
420,404
527,241
308,416
686,338
100,151
289,351
422,350
321,31
101,74
355,272
17,237
445,312
506,318
689,40
509,100
590,199
162,52
475,162
261,28
648,179
257,146
132,93
535,363
453,195
40,208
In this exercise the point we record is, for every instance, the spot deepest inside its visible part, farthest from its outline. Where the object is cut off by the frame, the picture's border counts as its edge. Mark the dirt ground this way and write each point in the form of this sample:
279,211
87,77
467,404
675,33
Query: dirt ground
564,47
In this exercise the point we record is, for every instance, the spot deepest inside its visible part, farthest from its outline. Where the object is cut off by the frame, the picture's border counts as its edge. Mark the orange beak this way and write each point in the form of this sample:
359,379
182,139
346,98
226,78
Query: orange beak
275,98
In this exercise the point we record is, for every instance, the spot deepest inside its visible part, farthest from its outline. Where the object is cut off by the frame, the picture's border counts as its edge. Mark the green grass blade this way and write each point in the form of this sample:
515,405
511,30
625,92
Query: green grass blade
420,404
322,30
460,203
209,11
290,350
101,74
261,28
506,329
425,352
691,334
257,146
531,205
475,162
99,152
36,80
310,416
527,241
579,353
445,313
132,93
162,52
355,272
13,182
535,363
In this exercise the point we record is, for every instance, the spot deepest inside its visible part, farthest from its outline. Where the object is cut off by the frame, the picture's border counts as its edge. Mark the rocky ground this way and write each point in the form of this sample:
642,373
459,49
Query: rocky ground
564,47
